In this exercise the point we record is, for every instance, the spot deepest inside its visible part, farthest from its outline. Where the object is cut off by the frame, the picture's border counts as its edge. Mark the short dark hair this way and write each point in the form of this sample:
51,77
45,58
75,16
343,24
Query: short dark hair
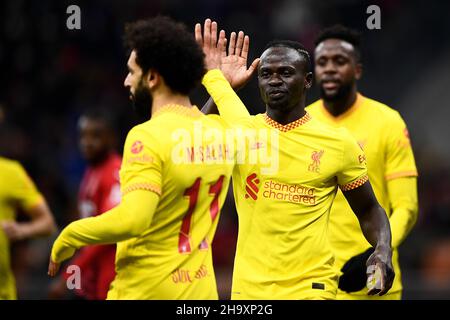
101,115
341,32
297,46
166,46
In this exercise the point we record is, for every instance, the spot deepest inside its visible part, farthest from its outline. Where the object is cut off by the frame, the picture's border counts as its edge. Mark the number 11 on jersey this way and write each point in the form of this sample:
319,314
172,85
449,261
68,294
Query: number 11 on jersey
184,245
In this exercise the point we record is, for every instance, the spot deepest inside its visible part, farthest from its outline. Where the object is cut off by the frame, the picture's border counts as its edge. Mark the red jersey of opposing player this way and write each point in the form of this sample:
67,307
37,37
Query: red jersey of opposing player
99,192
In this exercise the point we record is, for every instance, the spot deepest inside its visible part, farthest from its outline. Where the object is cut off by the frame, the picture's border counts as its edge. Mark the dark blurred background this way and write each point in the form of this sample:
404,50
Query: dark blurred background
50,75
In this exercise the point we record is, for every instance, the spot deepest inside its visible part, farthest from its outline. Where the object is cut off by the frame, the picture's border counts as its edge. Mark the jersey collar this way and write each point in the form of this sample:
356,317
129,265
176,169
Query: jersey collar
178,109
289,126
350,111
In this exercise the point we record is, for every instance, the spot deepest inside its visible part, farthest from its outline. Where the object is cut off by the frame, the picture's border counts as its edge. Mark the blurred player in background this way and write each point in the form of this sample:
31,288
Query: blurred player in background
283,250
99,192
173,180
18,192
383,135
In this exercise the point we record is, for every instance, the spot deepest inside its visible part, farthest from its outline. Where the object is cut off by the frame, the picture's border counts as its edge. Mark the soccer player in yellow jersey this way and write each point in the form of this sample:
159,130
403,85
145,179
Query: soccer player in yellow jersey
174,178
18,192
383,135
283,250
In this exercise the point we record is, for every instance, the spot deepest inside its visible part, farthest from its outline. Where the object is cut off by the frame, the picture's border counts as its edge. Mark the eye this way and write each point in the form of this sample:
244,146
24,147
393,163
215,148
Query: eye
264,74
341,61
321,62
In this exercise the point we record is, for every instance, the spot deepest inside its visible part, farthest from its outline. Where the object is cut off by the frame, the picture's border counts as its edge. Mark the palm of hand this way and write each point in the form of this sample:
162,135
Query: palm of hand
235,71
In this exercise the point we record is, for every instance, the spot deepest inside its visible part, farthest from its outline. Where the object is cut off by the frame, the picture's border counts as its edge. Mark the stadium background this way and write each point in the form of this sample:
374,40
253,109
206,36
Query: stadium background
49,75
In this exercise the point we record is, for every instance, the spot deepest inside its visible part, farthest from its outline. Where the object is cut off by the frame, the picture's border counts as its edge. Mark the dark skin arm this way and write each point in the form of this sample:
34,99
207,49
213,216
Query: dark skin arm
210,107
376,229
42,224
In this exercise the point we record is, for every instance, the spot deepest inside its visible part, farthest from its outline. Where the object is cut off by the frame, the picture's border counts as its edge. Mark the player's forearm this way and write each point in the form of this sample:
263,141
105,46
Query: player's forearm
228,102
404,203
42,224
210,107
375,226
125,221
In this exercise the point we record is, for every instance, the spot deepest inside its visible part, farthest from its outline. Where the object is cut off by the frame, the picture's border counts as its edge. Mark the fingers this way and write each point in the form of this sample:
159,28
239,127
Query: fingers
213,40
384,280
240,43
198,34
222,44
207,33
232,44
387,279
244,53
253,66
53,268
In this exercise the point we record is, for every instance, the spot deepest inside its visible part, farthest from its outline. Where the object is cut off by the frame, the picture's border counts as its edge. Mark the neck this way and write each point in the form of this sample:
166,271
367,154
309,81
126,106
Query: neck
161,100
99,160
284,117
339,106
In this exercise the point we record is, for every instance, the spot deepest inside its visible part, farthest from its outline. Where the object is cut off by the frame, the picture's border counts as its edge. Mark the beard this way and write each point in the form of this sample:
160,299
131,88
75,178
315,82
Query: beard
342,93
142,102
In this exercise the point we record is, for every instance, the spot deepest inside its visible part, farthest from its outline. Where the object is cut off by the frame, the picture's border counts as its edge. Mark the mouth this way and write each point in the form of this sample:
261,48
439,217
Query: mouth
276,94
330,84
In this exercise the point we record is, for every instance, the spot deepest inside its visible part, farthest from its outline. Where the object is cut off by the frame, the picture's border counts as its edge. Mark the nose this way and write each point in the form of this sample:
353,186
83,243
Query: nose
126,81
275,80
329,67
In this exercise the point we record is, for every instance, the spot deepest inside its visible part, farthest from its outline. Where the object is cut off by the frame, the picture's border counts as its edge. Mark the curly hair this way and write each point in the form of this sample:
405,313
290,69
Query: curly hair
342,33
165,45
293,45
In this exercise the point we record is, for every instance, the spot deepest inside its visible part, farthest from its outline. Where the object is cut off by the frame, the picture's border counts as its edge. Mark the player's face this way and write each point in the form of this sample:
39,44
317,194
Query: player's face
282,78
336,68
139,91
94,139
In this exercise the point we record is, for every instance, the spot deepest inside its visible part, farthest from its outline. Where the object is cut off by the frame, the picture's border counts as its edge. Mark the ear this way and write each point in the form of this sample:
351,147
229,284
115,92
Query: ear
358,71
308,80
153,79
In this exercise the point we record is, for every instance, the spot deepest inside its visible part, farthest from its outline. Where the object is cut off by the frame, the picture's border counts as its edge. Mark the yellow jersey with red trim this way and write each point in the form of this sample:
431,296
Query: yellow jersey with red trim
383,135
284,182
283,204
17,191
183,156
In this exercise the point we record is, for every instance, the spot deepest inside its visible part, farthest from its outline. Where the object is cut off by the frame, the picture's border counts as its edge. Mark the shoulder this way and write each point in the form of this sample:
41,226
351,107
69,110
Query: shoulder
380,110
144,131
10,166
314,107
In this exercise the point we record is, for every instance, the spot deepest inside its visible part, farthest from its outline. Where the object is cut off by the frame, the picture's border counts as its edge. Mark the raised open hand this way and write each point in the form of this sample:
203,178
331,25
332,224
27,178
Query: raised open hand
234,65
213,48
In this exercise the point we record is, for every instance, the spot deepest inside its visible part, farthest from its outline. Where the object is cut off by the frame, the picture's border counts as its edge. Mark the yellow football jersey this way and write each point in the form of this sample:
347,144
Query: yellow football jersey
283,195
282,250
383,135
185,157
17,191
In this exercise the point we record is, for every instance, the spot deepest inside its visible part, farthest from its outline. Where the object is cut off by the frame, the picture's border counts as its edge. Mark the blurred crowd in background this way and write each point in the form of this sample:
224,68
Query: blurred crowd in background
50,75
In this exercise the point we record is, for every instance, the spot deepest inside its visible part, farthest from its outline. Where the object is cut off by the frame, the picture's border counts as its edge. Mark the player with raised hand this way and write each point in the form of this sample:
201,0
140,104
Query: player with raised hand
283,250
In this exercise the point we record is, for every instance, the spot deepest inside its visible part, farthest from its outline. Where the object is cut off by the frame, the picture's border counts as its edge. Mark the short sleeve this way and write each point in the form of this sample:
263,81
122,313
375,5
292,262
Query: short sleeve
24,191
399,154
353,173
141,164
